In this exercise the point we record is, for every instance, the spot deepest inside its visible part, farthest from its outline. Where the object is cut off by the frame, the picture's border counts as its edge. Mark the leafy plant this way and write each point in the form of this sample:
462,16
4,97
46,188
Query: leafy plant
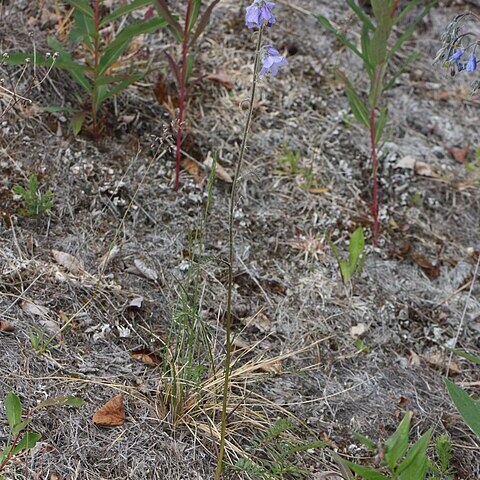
276,450
186,35
92,61
20,438
377,49
356,256
442,469
400,461
35,202
290,165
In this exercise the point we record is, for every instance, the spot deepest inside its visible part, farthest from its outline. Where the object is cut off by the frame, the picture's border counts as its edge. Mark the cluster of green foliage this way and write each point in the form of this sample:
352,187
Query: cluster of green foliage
90,61
35,203
20,438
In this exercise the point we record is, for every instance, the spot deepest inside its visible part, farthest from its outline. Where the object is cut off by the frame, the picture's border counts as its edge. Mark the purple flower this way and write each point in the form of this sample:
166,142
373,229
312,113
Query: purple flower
472,63
457,55
271,61
260,13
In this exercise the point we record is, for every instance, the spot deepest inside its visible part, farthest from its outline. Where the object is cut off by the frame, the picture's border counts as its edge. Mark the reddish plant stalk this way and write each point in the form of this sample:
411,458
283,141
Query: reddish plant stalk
394,8
96,47
374,175
182,96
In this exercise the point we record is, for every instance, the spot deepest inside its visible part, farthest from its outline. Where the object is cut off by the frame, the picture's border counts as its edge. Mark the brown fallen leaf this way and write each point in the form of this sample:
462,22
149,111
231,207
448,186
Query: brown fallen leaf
194,169
112,414
260,321
69,262
459,154
6,326
440,361
146,356
220,172
221,78
432,271
420,168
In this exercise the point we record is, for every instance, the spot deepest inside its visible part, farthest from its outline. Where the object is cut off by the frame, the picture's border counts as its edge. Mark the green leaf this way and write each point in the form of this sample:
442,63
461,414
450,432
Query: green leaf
356,248
195,11
467,356
123,39
391,82
83,6
77,122
28,441
364,472
58,108
204,20
376,87
190,63
359,110
120,87
13,409
468,408
380,124
397,444
325,23
124,10
61,401
84,29
365,41
370,444
20,426
362,16
414,467
346,271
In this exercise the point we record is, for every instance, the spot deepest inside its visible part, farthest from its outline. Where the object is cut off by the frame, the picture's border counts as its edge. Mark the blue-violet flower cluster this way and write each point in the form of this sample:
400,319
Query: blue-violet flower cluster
258,15
458,52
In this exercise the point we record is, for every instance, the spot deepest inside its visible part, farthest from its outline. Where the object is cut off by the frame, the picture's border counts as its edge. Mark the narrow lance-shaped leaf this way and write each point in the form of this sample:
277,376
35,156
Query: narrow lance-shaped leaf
414,467
364,472
83,6
397,444
124,10
194,13
163,9
325,23
468,408
123,39
362,16
204,20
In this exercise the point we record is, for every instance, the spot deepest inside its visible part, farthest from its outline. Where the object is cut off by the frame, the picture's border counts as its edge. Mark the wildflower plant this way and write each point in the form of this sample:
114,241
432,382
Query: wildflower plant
378,46
35,202
459,48
259,16
93,60
187,35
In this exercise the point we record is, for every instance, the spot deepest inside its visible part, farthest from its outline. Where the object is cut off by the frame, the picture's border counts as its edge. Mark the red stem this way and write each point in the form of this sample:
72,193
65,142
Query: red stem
181,100
95,68
394,8
375,180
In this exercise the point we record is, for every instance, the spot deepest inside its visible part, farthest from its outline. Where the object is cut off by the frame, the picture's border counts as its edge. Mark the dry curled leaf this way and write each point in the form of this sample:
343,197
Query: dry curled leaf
459,154
69,262
193,168
220,172
441,361
146,356
358,330
432,271
6,326
35,309
260,321
147,272
112,414
221,78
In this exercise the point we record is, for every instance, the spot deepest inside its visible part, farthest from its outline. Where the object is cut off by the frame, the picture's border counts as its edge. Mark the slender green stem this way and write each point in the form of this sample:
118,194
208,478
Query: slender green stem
228,324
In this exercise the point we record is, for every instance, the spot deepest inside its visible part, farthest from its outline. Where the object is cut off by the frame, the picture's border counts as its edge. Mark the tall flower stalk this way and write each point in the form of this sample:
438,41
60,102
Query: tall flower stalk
258,15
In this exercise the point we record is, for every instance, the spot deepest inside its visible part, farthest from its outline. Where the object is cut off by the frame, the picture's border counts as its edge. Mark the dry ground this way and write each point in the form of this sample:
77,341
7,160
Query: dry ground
411,297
